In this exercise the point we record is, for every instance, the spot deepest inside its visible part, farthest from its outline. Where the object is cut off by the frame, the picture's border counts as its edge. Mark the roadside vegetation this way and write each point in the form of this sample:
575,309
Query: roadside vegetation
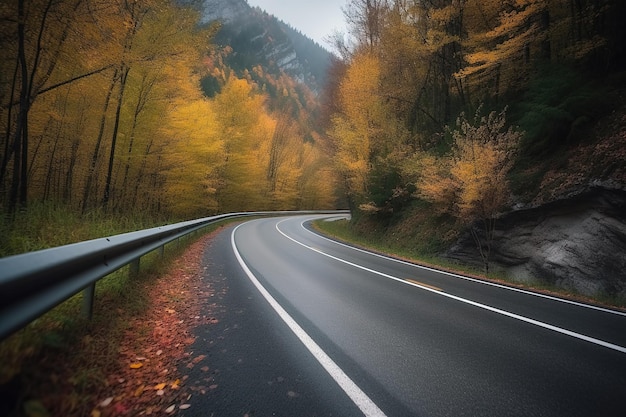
46,225
407,246
61,362
447,115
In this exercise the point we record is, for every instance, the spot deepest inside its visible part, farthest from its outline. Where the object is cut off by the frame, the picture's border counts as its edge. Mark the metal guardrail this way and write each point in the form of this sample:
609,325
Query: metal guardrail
35,282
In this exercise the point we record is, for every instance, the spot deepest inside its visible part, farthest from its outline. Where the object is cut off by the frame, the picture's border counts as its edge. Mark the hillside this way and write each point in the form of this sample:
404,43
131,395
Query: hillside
490,134
572,234
259,39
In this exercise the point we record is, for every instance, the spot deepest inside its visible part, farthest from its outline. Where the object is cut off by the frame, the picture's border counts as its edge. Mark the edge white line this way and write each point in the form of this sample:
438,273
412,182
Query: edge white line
464,300
365,404
479,281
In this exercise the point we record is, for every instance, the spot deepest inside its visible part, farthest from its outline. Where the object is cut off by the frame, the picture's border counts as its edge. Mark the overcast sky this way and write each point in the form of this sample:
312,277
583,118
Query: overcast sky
315,18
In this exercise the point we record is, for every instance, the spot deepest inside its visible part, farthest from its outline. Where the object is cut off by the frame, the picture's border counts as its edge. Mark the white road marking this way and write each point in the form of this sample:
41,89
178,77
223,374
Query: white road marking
479,281
466,301
365,404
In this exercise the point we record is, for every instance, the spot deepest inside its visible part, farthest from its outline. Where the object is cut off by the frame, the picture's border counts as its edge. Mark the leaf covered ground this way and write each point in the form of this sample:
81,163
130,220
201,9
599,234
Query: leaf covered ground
148,379
129,361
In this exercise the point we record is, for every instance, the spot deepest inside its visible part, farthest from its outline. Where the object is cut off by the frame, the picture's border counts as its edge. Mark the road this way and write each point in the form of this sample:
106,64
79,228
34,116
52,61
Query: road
308,326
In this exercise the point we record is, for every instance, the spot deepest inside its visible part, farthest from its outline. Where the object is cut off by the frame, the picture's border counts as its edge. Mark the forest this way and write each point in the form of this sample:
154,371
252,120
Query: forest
460,108
102,109
455,108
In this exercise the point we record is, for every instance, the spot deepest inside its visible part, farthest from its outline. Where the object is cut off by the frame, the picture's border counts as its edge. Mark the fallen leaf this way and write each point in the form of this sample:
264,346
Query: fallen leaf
169,310
120,408
213,386
106,402
205,369
136,365
139,391
160,386
160,392
170,409
184,406
198,359
176,384
95,413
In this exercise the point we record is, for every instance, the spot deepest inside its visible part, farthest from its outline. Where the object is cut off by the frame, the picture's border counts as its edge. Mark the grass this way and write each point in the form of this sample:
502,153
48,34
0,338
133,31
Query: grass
345,231
61,354
380,242
47,225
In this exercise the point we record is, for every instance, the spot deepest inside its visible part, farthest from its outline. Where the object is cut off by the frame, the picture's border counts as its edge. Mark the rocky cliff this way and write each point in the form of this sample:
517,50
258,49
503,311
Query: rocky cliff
577,242
258,38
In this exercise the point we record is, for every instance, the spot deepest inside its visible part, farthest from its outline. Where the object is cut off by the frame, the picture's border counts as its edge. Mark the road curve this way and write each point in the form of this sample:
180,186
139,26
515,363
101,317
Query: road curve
369,335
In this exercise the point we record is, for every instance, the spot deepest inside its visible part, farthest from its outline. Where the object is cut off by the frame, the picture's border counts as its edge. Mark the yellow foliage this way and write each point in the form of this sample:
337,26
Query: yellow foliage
471,182
194,156
435,183
484,152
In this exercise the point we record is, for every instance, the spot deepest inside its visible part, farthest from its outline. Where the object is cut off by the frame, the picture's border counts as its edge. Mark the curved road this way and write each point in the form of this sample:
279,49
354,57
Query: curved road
309,326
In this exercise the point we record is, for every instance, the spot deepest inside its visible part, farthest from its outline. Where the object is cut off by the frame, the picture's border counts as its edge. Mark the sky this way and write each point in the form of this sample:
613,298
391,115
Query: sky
317,19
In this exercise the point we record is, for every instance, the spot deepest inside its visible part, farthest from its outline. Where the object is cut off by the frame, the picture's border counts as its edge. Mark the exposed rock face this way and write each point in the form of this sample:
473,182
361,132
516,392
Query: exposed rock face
224,10
577,243
259,38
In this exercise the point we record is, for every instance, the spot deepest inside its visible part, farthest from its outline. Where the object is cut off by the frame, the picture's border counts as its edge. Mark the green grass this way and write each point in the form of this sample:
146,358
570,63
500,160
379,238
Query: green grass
393,245
381,242
44,226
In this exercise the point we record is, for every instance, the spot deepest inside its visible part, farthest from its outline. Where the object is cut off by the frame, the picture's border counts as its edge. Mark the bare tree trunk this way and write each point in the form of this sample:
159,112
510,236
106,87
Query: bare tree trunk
8,148
142,99
69,177
20,143
107,186
96,151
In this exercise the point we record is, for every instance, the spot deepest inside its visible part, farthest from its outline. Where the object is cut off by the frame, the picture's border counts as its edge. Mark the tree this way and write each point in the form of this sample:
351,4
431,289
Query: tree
365,18
192,158
37,46
284,164
366,133
245,127
484,151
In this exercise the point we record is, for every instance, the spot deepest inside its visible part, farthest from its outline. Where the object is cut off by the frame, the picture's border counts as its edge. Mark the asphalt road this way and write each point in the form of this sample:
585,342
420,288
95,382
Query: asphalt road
310,327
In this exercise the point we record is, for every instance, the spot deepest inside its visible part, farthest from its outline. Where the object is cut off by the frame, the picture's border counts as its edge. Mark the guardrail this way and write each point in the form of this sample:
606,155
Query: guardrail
35,282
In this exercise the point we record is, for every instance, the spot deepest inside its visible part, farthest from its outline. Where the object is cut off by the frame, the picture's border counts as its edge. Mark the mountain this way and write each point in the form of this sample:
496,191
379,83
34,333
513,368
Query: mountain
254,37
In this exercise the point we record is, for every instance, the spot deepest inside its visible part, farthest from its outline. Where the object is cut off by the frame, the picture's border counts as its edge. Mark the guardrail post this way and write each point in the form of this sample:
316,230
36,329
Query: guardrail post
133,268
88,297
161,251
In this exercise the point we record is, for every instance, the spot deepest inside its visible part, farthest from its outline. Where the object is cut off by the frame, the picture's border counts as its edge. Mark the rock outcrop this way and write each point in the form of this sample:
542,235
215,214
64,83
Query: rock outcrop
577,243
258,38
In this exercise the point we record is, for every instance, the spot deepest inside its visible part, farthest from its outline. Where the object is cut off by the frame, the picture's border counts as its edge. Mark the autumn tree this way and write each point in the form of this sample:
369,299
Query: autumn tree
286,158
366,133
365,18
472,182
34,49
245,127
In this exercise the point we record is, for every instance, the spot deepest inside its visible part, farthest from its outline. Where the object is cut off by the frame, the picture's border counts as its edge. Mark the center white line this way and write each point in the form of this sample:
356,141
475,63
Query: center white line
464,300
365,404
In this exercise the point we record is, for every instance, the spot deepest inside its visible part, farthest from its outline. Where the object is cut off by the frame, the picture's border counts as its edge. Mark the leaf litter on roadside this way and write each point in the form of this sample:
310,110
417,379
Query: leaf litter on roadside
148,382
